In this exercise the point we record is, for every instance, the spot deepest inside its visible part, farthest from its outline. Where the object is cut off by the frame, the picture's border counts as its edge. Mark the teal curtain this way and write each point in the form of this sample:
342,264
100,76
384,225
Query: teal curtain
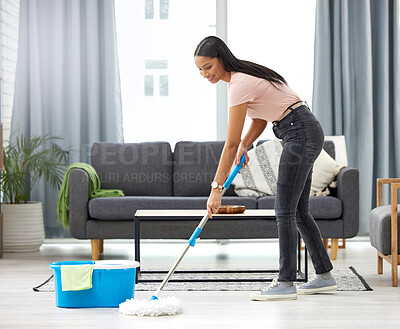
357,87
67,82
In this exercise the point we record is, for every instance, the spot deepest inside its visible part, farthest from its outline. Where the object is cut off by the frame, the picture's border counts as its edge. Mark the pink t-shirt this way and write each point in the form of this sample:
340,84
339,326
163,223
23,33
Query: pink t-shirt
264,101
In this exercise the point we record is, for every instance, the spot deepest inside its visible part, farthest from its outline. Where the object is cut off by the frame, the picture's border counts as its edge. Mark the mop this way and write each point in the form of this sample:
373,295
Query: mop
171,305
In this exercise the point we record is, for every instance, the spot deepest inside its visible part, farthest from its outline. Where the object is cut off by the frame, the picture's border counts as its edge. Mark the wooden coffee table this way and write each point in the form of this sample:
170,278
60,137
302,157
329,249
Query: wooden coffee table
191,215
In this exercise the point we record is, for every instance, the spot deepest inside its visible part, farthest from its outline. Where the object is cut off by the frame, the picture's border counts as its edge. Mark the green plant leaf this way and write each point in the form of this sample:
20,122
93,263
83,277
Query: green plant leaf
28,160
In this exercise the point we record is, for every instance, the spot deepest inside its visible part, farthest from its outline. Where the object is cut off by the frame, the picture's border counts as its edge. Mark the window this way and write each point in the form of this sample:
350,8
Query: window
148,85
164,97
151,7
164,8
156,68
163,85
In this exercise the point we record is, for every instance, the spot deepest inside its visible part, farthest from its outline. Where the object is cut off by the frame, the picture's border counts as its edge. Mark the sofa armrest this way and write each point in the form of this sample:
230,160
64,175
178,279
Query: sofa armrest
348,192
78,202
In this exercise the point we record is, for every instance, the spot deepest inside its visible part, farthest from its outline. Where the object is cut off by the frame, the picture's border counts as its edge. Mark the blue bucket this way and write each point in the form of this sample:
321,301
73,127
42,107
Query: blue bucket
113,282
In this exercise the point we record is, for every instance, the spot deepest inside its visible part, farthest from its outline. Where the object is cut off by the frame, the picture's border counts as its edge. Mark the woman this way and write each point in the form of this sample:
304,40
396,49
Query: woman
264,95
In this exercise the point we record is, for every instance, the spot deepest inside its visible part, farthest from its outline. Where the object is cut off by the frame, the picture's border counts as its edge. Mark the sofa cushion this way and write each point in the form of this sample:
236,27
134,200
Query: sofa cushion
124,208
195,165
326,207
135,168
266,202
324,173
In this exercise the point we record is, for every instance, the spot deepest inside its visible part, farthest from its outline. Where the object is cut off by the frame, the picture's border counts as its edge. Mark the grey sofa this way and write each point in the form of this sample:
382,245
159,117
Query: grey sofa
154,177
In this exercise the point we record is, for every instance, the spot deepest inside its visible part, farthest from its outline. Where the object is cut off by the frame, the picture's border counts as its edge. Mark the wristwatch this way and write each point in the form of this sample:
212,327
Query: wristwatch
215,184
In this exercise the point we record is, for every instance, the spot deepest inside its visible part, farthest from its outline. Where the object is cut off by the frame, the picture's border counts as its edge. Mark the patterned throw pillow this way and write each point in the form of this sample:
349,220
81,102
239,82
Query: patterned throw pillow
259,177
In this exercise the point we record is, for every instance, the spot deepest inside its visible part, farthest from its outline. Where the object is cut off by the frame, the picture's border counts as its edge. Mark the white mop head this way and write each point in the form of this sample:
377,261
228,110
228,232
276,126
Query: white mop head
143,307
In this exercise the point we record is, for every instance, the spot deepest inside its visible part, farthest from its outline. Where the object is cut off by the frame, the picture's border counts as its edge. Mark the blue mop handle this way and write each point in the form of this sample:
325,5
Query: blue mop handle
229,180
234,172
197,231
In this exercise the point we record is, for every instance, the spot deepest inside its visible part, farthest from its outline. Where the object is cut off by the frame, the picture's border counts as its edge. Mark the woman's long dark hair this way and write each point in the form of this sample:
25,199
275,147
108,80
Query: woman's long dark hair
215,48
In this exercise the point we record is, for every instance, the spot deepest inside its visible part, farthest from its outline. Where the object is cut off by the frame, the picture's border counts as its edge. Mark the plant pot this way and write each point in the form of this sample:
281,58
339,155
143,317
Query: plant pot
23,228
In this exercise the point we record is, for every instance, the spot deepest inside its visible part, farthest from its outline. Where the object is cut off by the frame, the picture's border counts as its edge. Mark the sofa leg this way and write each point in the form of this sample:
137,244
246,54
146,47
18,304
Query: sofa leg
340,246
95,249
326,243
380,264
101,246
334,248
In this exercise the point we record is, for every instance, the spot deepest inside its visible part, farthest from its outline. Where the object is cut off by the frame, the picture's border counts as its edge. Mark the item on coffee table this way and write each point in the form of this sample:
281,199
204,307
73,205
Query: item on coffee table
231,209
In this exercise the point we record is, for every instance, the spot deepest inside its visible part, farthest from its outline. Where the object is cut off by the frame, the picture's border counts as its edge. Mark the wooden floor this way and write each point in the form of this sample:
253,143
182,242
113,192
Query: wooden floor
20,307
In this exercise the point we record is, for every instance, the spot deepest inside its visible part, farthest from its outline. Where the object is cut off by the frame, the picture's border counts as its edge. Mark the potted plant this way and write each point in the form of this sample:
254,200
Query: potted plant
25,162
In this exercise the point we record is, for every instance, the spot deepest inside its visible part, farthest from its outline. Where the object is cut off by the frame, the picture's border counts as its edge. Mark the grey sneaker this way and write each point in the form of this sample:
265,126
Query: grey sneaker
317,285
276,291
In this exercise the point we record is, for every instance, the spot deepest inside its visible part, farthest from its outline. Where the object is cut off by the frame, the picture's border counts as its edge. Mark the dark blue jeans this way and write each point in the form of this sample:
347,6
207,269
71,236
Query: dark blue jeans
303,139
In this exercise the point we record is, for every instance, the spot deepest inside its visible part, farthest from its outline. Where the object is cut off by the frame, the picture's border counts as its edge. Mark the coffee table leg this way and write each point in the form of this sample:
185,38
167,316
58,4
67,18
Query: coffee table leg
137,245
305,265
298,253
299,259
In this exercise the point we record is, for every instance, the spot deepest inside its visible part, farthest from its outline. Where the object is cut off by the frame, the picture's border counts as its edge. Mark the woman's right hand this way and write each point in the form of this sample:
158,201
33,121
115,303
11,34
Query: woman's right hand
213,202
241,150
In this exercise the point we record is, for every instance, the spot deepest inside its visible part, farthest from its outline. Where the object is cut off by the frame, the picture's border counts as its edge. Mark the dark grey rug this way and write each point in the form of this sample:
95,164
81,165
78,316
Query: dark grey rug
347,280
